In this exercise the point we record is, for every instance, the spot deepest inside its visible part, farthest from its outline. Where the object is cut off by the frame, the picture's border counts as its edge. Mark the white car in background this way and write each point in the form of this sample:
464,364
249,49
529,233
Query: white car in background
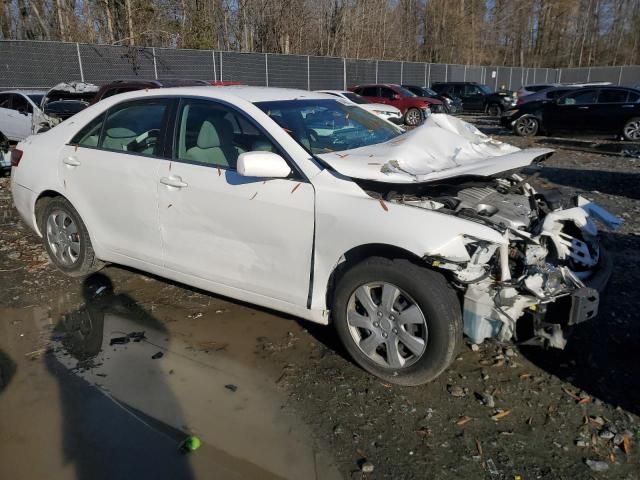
19,112
312,206
387,112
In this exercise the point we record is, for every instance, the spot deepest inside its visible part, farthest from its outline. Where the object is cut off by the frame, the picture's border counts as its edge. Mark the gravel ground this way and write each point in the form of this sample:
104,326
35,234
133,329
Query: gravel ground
502,412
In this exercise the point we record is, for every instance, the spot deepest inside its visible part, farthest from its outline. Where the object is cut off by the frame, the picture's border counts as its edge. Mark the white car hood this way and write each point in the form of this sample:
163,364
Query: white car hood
444,146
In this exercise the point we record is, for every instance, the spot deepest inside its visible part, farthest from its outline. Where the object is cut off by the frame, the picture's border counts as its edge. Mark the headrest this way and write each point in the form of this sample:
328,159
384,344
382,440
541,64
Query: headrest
120,132
208,136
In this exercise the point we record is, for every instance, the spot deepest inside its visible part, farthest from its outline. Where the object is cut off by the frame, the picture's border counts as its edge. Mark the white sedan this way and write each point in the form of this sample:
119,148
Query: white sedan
388,112
19,112
314,207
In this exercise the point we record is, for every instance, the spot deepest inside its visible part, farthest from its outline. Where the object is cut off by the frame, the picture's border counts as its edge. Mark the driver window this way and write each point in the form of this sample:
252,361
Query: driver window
213,134
20,104
471,90
5,100
579,98
386,92
135,127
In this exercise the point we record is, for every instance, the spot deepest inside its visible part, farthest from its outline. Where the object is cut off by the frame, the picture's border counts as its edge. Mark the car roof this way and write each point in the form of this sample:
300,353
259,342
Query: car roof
26,92
333,91
170,82
244,92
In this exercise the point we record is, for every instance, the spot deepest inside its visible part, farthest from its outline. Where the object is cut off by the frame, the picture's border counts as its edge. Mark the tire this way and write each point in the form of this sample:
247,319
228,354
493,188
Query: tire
67,240
494,110
413,117
526,126
439,328
631,130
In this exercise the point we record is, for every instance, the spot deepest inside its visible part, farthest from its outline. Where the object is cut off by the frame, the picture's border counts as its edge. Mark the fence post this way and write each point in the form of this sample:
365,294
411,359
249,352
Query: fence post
495,83
546,75
510,76
464,75
429,79
80,62
221,66
401,72
344,73
308,74
155,66
425,75
620,76
213,59
589,75
446,72
266,70
376,71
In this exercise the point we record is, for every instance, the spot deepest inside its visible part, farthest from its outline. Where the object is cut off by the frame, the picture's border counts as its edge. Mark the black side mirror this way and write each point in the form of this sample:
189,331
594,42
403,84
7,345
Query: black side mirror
23,112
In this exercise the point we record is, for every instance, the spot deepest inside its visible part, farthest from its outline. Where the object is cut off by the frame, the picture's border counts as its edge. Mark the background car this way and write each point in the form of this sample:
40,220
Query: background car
5,154
477,97
613,110
414,109
529,89
451,104
387,112
123,86
19,111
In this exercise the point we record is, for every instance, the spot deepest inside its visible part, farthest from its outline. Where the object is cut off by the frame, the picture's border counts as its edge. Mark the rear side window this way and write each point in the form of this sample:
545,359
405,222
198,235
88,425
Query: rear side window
20,104
89,136
609,95
386,92
5,100
633,97
135,127
583,97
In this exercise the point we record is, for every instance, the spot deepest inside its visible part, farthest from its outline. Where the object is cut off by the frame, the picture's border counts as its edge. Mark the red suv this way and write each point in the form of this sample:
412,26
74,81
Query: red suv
415,109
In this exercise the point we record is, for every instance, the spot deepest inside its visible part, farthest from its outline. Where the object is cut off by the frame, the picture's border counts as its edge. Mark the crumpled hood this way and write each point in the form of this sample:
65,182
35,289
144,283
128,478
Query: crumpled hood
444,146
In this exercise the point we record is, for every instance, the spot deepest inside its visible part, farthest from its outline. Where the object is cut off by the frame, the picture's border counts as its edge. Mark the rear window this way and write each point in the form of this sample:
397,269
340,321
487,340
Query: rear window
610,95
583,97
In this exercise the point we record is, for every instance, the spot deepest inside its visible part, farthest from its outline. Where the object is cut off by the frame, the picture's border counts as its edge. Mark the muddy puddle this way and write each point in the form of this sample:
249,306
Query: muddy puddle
109,386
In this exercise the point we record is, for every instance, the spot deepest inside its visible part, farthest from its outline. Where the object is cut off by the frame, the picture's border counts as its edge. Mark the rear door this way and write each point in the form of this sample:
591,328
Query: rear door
111,172
571,113
241,235
23,115
387,96
612,110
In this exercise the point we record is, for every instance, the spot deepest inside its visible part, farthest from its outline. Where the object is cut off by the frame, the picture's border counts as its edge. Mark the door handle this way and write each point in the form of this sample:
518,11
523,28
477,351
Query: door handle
173,182
583,108
71,161
628,106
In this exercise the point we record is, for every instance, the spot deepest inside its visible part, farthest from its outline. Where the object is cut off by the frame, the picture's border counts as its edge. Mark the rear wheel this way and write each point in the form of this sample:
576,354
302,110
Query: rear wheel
631,129
526,126
399,321
413,117
66,239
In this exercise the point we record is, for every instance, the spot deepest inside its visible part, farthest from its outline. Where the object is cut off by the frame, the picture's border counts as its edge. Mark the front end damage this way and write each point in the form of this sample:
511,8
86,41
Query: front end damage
550,256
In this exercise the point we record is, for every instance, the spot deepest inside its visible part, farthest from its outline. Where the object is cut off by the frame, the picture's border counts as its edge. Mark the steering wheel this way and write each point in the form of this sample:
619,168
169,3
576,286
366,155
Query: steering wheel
148,139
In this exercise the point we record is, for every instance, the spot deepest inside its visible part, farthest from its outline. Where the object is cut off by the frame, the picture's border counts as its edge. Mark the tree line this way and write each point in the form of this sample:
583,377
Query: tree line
532,33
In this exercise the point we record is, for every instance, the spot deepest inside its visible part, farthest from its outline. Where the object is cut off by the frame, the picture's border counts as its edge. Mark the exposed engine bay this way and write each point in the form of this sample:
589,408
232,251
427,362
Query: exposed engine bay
550,256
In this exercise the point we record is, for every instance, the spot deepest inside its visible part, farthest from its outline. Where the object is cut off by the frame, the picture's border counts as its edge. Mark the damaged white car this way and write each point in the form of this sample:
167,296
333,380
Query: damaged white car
308,205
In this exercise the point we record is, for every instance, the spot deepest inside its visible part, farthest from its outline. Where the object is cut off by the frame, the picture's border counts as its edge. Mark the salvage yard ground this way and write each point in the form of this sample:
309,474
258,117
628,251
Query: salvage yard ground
499,412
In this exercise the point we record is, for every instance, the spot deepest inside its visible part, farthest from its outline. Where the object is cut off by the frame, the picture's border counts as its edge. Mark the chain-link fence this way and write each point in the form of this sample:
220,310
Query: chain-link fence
33,64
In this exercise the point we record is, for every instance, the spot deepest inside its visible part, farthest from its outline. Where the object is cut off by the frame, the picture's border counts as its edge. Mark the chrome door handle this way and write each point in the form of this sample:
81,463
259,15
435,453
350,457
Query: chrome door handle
583,108
628,106
173,182
71,161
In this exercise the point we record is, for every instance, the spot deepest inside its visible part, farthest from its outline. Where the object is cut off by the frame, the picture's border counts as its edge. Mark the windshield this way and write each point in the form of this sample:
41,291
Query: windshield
355,98
430,92
36,98
485,89
322,126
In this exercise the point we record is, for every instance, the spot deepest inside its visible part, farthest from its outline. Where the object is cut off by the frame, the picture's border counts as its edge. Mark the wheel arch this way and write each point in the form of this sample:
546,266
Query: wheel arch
41,202
361,252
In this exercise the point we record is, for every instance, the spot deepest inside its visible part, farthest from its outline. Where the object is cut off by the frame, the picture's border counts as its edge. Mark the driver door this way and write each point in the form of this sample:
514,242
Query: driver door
250,238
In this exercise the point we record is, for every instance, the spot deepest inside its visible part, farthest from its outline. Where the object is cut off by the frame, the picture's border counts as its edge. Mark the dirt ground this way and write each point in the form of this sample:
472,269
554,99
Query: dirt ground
274,397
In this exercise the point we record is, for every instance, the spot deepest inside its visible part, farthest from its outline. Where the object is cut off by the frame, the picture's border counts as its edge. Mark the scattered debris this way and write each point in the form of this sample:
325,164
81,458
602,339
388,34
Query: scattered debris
500,415
156,356
367,467
456,391
189,444
231,387
597,465
119,341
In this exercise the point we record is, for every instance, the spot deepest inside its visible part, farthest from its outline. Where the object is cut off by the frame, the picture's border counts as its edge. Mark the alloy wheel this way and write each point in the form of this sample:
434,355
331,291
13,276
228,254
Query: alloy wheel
527,126
63,237
413,117
387,325
632,130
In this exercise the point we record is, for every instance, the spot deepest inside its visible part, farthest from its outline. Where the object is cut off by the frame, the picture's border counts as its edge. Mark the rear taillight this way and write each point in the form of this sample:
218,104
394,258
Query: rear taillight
16,156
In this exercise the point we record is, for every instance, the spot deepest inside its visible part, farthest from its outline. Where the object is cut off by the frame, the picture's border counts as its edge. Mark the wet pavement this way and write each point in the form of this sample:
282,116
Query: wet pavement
105,378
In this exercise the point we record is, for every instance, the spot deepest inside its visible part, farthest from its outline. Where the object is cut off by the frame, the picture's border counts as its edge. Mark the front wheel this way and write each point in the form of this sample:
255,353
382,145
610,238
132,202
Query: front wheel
66,239
399,321
413,117
631,129
494,110
526,126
